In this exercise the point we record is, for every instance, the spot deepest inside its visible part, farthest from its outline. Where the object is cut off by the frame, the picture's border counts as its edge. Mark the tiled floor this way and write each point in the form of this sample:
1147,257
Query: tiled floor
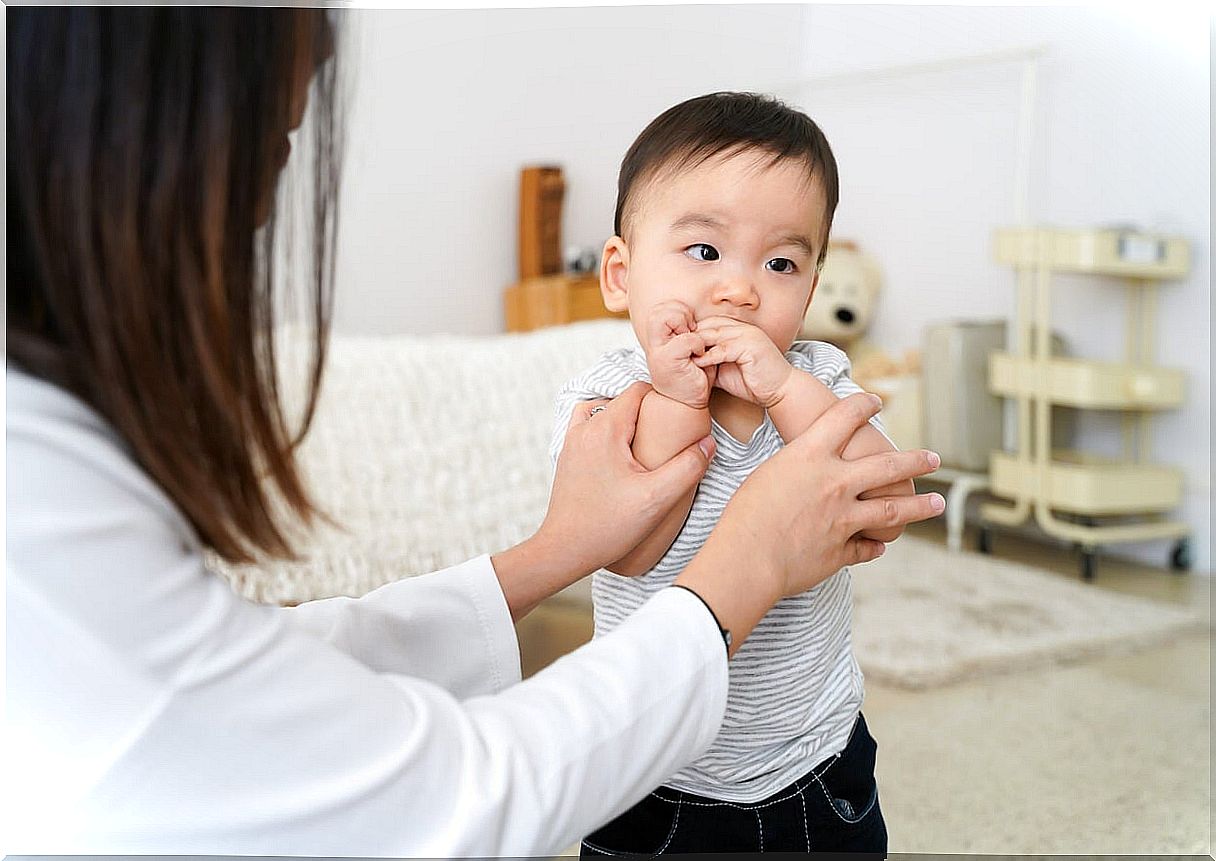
1106,757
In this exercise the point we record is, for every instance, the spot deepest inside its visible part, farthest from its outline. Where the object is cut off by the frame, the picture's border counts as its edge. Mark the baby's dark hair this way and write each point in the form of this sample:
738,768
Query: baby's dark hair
699,129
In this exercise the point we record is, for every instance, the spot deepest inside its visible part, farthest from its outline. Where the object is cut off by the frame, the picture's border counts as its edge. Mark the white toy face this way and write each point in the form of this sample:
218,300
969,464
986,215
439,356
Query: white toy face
843,304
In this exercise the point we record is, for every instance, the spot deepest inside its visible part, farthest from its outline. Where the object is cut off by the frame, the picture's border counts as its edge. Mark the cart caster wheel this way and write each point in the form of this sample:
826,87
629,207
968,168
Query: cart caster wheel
1089,563
1180,556
983,541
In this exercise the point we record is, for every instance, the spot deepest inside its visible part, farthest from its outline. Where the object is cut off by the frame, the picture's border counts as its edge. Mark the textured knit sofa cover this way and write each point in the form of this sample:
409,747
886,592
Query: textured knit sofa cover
425,451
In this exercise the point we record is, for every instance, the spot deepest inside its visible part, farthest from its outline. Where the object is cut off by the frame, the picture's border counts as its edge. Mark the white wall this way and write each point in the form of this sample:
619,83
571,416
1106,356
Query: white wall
448,105
928,159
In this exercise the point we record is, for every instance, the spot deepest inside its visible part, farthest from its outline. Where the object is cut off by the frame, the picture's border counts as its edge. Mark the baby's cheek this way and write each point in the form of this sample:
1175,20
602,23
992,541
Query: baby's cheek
785,331
783,337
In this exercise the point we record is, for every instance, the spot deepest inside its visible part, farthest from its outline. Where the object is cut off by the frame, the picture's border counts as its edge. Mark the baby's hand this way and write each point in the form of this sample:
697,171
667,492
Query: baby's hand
749,364
671,344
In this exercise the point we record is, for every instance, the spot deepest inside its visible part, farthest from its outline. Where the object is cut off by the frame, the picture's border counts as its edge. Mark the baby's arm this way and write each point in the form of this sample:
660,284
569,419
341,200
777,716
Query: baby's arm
804,398
673,416
751,367
665,428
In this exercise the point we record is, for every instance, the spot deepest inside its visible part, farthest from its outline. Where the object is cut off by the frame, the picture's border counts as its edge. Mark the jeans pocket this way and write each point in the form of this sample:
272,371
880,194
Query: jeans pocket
647,828
852,803
847,784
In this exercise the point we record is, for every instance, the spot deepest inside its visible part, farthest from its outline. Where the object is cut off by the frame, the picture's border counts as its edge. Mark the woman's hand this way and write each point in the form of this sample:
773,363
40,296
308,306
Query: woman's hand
602,505
672,344
795,521
749,365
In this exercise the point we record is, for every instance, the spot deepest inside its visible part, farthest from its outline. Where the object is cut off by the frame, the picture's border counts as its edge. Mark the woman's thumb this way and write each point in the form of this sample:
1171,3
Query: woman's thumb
681,474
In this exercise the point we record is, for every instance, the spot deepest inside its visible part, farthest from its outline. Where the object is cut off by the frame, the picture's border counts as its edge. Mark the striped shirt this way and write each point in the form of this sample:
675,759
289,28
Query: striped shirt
795,688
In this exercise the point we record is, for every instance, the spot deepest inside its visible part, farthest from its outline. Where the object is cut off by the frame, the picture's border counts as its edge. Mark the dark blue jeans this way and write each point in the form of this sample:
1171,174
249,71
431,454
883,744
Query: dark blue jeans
832,808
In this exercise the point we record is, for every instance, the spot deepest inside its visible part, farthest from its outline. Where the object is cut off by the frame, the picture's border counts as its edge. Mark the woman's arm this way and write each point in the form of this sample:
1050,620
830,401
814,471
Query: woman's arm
222,731
452,628
153,711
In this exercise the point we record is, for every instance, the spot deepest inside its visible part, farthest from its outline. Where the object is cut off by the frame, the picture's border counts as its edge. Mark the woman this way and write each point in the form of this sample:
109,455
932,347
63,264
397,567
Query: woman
150,709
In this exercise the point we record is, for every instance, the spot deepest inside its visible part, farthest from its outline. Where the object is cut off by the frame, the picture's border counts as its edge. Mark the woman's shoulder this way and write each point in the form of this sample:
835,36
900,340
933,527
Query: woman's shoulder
66,464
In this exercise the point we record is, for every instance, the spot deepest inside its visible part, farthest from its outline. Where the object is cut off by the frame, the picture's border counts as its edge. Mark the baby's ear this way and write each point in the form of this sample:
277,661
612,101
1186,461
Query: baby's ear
614,275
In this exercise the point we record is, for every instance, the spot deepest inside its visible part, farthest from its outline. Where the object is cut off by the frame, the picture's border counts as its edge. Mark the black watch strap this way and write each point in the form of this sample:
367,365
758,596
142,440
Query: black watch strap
725,633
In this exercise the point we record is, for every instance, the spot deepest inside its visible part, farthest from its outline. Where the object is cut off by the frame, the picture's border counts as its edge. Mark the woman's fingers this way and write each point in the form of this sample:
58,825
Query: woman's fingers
620,415
582,411
603,503
859,551
877,471
893,511
833,430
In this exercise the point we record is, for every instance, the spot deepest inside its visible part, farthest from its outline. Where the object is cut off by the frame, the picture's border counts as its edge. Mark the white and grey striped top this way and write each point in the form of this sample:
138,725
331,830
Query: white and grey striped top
795,688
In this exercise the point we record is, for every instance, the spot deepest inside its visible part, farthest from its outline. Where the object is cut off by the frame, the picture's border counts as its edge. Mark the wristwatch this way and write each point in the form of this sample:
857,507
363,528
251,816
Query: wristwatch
726,638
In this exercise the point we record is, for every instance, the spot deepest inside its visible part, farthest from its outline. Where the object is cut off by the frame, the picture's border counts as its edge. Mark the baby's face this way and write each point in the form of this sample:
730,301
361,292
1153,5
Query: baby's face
732,237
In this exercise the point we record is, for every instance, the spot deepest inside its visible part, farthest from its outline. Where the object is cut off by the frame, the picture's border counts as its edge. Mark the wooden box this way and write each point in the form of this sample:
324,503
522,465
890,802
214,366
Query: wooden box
553,300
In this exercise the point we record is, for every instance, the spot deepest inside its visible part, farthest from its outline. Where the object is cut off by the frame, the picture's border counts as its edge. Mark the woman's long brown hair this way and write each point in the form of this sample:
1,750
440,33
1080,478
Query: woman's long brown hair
144,149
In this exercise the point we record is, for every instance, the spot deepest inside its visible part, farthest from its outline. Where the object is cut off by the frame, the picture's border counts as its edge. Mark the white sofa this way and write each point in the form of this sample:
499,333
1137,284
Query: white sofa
425,451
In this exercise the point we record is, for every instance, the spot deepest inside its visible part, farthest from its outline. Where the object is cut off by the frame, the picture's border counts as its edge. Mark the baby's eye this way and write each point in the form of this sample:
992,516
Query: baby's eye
702,252
781,264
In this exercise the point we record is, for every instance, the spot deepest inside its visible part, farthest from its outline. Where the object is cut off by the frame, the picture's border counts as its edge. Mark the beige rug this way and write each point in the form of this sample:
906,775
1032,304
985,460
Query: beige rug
924,616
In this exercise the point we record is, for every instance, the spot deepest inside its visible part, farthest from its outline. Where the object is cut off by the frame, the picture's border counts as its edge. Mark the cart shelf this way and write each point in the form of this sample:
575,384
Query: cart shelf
1087,384
1085,484
1096,252
1066,492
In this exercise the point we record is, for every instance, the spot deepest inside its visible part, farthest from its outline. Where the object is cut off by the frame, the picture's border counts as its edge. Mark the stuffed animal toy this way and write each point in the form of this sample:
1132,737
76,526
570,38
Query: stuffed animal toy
840,313
842,308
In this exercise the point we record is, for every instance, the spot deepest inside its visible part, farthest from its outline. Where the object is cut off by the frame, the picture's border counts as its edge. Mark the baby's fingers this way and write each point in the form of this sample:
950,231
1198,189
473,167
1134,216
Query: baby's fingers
713,356
717,321
685,345
671,318
718,334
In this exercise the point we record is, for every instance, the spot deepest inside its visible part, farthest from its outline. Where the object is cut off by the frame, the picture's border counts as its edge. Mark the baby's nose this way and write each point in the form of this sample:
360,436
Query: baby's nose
736,291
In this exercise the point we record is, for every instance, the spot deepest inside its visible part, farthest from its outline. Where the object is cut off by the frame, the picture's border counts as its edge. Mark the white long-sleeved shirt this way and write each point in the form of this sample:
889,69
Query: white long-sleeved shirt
152,710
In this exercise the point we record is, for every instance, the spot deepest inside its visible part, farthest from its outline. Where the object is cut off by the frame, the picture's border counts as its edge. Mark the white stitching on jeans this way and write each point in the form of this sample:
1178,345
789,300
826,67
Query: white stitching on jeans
599,848
760,825
659,851
806,828
672,832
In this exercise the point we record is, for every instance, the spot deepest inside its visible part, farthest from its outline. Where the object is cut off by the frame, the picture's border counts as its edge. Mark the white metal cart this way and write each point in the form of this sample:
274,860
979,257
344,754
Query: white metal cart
1075,496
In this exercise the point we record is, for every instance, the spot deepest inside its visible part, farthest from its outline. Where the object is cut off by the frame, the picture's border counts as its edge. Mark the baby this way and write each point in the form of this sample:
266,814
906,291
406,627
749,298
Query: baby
724,206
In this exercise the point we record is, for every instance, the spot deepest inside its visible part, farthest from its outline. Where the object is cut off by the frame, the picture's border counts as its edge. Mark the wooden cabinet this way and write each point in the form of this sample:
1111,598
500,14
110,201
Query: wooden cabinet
553,300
